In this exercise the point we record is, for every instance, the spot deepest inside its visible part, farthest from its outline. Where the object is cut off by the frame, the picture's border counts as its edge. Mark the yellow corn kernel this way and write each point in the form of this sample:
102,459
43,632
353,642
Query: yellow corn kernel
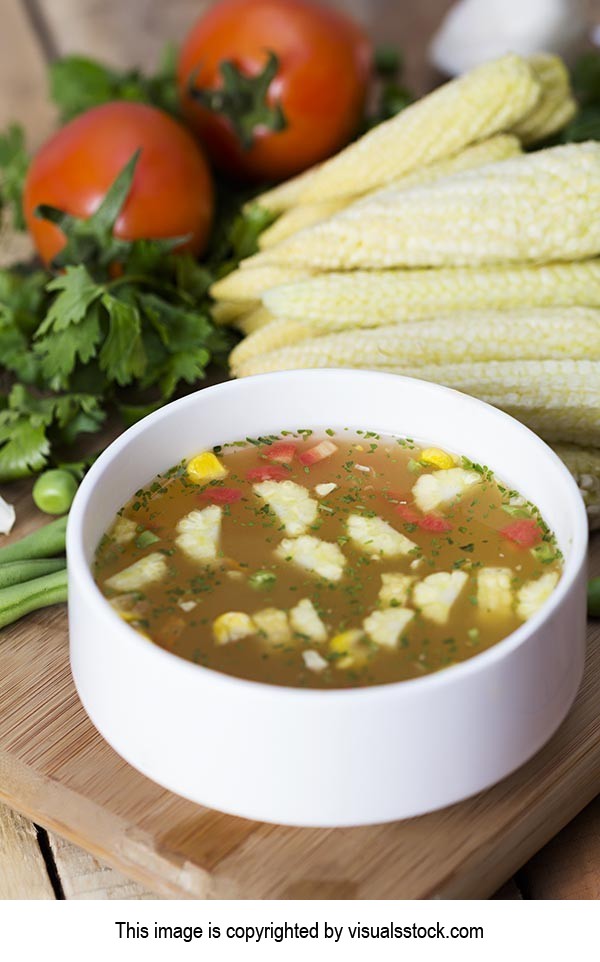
232,626
437,457
491,98
205,467
347,644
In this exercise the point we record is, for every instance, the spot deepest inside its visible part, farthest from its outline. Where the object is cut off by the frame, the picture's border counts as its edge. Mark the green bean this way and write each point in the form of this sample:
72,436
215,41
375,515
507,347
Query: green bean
19,600
15,572
54,490
594,598
46,542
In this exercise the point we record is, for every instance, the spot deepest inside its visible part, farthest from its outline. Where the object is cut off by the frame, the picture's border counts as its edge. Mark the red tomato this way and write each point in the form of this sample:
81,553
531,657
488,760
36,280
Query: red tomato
320,84
525,532
221,495
270,472
171,194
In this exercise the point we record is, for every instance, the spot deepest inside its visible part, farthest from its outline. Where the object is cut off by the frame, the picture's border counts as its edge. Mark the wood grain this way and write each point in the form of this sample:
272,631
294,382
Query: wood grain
56,768
84,877
23,872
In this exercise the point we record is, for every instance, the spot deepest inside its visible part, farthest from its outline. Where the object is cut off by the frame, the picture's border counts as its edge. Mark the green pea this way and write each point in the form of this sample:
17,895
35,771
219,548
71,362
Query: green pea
594,597
54,490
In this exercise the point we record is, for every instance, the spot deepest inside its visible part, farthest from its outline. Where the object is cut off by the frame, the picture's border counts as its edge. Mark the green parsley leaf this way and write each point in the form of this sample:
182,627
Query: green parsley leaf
80,83
122,355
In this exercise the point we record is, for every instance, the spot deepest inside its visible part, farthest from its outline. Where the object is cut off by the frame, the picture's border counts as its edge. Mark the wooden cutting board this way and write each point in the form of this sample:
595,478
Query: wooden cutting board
55,768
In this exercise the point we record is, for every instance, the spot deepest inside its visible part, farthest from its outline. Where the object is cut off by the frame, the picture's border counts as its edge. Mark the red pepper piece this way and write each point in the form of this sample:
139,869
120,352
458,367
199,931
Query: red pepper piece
282,452
433,522
322,450
268,472
401,496
221,495
408,514
525,532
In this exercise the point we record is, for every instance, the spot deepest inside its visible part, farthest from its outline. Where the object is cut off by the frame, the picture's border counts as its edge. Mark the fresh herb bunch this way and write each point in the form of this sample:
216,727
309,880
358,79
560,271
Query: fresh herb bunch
116,324
78,83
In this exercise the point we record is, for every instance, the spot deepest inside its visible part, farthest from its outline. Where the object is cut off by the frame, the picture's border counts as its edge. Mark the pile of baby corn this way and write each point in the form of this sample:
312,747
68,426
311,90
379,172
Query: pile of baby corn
435,247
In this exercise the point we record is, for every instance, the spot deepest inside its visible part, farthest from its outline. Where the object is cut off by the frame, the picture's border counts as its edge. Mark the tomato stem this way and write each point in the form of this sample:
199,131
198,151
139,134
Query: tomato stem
243,100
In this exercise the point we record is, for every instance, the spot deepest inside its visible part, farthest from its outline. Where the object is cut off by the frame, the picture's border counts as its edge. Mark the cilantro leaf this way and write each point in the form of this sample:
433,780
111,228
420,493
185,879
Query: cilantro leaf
61,350
80,83
188,366
77,291
122,355
28,423
24,447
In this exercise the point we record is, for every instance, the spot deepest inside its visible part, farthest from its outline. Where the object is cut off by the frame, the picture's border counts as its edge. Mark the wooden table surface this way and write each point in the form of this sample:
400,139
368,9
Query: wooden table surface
35,864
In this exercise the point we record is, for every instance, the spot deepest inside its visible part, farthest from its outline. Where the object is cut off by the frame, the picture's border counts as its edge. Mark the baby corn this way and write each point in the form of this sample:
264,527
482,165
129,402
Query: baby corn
559,400
284,195
370,298
305,215
480,336
491,98
227,312
258,348
253,321
556,106
584,465
250,284
297,218
535,208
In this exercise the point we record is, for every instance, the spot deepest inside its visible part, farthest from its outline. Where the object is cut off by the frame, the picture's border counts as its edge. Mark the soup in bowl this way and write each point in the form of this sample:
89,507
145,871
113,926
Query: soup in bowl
327,622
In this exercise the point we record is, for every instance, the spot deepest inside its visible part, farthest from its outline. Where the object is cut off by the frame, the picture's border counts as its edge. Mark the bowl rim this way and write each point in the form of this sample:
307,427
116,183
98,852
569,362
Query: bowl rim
80,576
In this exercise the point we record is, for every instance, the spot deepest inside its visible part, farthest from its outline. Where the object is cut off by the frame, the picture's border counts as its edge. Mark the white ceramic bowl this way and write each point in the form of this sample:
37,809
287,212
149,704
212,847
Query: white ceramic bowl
345,757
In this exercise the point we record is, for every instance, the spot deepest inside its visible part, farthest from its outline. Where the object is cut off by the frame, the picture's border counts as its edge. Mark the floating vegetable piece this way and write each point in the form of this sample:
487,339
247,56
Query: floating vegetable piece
385,627
291,503
378,538
305,620
494,590
442,487
205,467
532,595
152,567
435,594
319,557
232,626
198,533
